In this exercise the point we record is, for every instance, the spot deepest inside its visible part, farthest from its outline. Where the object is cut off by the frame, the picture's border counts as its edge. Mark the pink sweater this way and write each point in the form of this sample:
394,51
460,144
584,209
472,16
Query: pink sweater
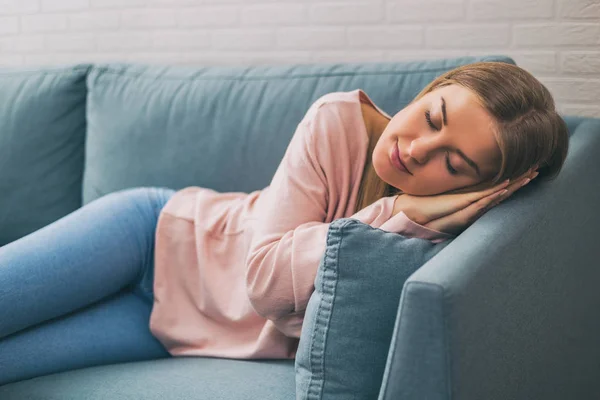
234,271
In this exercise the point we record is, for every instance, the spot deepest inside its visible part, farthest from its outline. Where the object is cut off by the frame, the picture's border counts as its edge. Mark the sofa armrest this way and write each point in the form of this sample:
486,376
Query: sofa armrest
511,308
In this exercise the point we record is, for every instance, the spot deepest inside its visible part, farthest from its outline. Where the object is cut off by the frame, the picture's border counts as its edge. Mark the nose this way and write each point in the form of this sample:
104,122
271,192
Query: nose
420,149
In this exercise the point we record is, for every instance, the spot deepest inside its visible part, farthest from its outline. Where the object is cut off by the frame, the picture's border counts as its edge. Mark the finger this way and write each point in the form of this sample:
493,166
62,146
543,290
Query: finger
482,188
520,183
516,182
456,222
476,210
509,192
512,189
531,172
476,196
451,203
479,187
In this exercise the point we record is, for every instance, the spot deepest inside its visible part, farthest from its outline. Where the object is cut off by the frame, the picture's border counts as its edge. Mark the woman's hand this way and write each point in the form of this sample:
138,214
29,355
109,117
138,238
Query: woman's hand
453,213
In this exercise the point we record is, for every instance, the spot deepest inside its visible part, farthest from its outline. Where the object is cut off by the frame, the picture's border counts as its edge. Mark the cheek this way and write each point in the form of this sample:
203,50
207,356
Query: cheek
432,175
403,126
433,179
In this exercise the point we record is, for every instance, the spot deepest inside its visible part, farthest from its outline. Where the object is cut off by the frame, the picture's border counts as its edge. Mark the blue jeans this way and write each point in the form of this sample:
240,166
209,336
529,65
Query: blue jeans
78,292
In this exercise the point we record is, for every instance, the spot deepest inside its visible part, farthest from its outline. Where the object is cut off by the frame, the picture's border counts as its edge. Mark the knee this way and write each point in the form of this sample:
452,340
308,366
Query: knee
154,198
159,196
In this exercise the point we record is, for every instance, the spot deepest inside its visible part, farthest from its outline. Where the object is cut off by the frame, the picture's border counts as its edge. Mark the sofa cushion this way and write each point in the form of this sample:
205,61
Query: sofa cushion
224,128
350,317
42,134
573,122
178,378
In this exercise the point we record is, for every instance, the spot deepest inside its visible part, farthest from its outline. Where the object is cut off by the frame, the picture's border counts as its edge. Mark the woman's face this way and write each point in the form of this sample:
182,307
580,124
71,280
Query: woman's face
459,125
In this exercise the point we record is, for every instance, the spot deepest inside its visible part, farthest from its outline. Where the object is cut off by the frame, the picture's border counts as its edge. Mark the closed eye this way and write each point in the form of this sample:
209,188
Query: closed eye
449,166
451,170
428,119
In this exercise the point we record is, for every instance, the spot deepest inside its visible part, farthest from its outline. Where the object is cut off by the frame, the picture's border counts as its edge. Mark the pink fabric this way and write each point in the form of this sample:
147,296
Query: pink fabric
234,271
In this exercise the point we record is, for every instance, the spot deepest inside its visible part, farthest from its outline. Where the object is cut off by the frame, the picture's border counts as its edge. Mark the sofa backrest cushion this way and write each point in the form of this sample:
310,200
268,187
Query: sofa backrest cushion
42,135
224,128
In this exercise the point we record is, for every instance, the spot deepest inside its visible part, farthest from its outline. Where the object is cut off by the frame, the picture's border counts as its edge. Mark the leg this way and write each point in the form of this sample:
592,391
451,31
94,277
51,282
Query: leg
94,252
114,330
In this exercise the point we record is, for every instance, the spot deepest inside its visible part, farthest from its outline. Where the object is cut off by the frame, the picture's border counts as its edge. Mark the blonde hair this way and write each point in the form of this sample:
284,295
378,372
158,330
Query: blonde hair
529,131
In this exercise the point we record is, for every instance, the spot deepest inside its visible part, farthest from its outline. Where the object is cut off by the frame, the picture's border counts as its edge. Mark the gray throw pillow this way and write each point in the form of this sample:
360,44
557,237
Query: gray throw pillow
350,317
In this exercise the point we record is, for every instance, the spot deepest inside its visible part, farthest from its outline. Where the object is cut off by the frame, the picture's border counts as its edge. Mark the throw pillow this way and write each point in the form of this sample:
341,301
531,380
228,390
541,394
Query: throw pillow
349,320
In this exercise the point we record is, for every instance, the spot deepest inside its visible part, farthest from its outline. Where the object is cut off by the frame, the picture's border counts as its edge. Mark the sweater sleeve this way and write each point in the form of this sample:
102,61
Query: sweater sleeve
289,232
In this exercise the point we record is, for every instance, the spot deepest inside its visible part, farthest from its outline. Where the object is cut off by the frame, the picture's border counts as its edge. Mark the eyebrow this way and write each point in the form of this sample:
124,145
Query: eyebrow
445,120
469,161
460,153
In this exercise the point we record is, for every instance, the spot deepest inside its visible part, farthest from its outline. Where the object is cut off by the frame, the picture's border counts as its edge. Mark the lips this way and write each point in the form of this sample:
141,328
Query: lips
404,165
397,161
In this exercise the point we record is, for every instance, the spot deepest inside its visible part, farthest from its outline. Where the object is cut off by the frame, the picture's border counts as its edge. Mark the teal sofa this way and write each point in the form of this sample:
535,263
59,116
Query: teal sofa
507,310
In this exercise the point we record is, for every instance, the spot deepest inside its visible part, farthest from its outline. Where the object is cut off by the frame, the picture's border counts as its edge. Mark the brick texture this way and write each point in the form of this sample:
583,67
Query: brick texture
557,40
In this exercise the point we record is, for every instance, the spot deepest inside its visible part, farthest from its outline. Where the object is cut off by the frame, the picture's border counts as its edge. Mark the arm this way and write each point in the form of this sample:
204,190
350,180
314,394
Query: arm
289,233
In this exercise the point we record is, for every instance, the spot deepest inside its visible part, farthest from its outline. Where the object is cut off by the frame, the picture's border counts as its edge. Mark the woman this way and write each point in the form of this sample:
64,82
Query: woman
149,272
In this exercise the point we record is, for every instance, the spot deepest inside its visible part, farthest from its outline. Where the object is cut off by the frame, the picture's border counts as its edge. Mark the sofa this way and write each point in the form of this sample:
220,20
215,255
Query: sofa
506,310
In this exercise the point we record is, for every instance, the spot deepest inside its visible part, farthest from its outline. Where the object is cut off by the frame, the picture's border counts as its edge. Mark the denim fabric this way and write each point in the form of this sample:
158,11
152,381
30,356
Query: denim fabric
78,292
350,317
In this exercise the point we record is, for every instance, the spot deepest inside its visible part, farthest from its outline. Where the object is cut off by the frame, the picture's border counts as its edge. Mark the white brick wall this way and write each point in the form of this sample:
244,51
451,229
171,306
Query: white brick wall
557,40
